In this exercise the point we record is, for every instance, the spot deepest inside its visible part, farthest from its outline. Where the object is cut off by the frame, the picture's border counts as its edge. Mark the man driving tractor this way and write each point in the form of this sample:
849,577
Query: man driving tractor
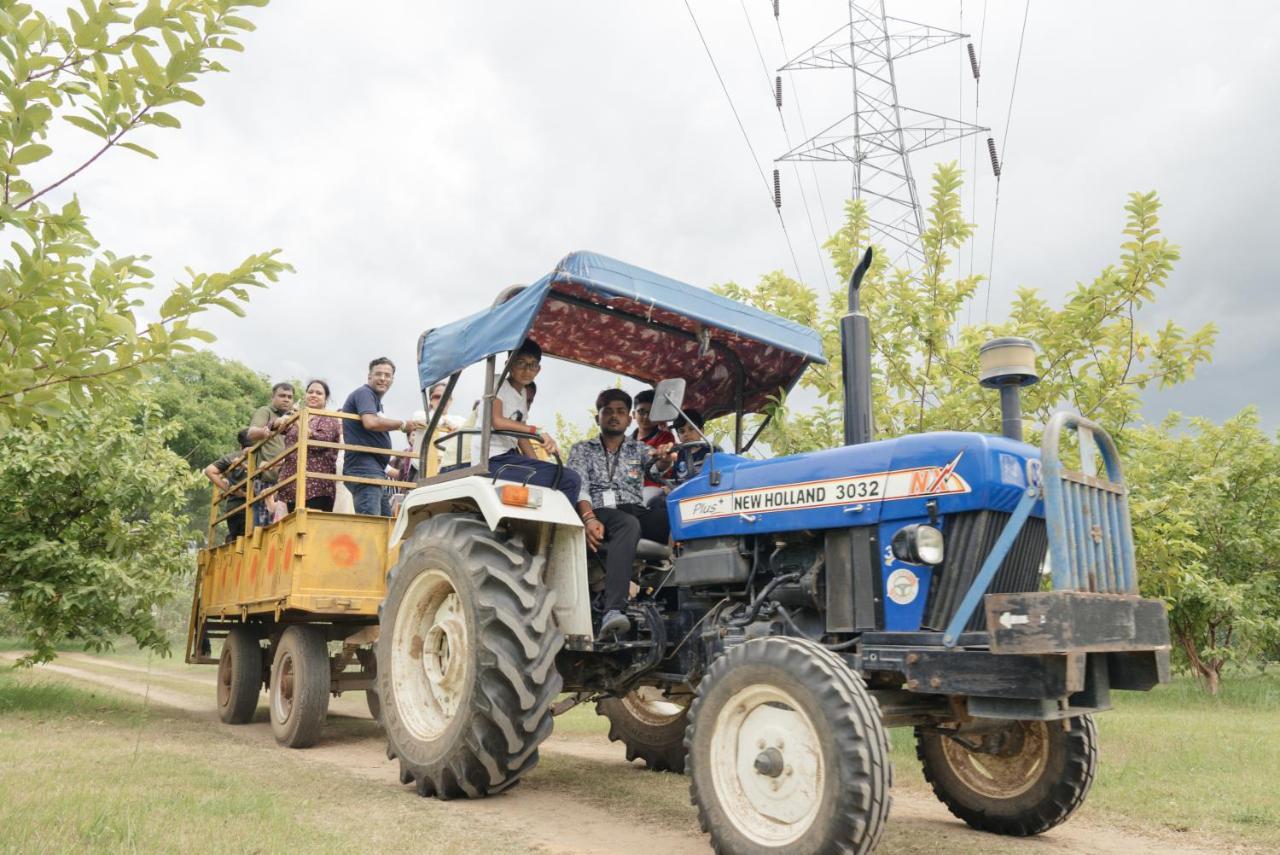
612,502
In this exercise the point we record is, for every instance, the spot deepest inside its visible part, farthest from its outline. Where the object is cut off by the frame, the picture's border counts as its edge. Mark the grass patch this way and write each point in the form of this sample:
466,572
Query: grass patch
82,770
1177,760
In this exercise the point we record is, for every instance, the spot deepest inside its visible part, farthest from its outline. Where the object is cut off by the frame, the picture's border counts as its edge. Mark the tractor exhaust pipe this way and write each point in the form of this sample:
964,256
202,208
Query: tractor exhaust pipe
855,360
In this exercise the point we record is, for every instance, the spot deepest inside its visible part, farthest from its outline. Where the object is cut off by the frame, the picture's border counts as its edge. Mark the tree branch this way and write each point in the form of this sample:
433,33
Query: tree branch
64,179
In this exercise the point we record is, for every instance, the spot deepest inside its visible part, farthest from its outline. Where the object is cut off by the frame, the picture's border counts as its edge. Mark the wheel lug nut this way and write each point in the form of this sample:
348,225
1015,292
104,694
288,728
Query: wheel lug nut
760,744
788,771
781,745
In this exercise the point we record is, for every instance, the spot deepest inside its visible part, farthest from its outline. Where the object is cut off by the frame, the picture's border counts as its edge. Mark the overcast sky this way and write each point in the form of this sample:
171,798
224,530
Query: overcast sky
412,159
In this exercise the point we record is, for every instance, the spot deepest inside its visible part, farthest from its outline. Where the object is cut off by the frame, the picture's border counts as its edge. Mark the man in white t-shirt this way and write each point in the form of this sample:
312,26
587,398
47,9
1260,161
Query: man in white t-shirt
511,458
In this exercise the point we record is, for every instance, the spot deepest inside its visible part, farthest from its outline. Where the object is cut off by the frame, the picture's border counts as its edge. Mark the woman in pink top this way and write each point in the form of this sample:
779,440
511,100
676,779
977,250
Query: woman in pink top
320,492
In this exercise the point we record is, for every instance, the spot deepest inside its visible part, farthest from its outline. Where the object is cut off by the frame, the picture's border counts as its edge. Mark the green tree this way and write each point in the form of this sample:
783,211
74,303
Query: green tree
1206,522
92,528
1094,354
205,400
71,333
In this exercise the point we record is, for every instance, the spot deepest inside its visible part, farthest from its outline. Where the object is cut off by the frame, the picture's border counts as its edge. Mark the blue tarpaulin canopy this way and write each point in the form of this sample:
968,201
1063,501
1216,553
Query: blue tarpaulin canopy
610,315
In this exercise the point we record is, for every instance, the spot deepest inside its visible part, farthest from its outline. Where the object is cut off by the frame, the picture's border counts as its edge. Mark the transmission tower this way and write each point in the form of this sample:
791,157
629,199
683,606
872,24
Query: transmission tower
878,137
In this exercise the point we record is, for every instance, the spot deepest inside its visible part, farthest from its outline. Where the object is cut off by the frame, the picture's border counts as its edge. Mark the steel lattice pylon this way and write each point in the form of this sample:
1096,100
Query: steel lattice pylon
878,137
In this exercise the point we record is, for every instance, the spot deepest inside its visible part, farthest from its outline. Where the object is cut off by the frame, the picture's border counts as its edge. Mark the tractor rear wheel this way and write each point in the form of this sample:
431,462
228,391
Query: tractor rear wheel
466,658
239,676
299,690
1020,780
787,752
650,725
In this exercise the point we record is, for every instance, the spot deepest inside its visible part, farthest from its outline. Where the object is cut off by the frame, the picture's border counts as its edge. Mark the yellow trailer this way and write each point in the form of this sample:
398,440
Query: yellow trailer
295,602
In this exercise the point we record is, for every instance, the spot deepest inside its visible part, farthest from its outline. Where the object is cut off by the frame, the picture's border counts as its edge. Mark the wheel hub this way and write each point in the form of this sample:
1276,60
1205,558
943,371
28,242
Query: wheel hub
282,689
430,663
767,765
1005,763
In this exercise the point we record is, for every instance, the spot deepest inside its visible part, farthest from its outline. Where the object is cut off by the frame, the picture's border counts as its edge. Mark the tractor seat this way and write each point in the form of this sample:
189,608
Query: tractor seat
651,550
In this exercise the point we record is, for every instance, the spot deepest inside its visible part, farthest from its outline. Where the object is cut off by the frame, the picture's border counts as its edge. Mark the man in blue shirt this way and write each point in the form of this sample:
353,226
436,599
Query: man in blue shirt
373,429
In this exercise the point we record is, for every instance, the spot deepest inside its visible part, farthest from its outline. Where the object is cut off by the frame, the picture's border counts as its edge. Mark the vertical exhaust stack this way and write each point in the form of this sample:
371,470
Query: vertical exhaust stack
855,354
1008,364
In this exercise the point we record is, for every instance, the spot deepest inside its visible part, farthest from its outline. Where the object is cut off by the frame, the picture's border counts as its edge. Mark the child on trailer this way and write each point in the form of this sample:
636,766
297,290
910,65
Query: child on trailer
511,458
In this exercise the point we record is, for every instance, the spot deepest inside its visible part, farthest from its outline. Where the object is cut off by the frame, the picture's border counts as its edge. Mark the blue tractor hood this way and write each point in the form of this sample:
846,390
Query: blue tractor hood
856,485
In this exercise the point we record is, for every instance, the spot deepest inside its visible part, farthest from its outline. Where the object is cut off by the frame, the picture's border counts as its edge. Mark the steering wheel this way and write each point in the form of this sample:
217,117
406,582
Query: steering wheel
684,452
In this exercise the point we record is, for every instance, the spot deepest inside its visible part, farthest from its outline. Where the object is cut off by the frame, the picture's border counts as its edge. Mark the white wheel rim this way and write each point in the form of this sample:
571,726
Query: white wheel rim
649,705
283,685
430,648
763,724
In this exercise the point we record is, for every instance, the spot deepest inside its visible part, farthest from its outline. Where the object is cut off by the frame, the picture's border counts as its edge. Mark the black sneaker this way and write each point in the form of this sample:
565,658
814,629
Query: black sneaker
614,623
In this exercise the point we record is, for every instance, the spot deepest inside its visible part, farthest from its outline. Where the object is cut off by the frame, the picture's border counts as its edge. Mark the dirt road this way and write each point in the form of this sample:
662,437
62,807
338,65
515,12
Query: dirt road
547,810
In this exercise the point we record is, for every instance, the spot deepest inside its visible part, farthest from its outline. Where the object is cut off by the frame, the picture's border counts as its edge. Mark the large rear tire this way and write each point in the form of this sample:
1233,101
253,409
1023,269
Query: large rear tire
239,676
299,690
787,752
650,726
1020,780
466,658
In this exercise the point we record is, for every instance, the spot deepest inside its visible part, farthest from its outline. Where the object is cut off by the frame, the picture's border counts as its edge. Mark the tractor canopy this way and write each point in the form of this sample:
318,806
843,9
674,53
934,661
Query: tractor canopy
604,313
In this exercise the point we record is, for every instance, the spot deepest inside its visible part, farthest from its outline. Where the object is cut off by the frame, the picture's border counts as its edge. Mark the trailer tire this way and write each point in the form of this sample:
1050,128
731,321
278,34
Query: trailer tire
1019,791
651,728
239,676
820,782
299,690
466,658
375,704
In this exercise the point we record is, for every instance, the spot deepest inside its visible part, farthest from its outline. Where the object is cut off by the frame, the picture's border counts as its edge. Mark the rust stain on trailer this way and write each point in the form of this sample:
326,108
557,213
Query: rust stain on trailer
344,550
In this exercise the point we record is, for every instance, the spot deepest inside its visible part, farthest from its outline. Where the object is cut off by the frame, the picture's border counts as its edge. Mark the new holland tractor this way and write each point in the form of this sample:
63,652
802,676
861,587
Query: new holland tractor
973,587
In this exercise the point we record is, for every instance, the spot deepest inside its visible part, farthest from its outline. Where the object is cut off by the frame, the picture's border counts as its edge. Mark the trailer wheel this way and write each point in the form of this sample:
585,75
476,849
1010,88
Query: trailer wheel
787,752
299,690
466,658
375,704
239,676
1020,780
650,726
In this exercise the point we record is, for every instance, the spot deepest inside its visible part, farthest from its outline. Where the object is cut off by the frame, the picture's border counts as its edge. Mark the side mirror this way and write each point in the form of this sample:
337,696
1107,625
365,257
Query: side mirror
668,396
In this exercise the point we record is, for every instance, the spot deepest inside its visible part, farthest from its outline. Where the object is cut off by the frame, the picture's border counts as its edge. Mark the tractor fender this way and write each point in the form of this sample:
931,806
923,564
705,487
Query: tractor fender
567,561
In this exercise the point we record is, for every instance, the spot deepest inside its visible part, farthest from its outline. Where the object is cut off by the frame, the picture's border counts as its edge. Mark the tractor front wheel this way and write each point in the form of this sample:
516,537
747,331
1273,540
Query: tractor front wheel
650,725
1020,779
787,752
466,658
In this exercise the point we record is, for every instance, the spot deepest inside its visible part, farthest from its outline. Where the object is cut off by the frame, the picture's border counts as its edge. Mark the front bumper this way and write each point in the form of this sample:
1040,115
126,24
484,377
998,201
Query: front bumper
1045,655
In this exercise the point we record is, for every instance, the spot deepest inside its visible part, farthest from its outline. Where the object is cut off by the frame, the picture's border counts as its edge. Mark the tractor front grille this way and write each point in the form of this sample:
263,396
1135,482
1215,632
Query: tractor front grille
969,537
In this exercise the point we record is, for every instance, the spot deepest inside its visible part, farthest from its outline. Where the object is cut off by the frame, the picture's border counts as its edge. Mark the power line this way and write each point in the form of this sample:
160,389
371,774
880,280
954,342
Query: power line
795,96
804,199
745,137
1004,150
973,198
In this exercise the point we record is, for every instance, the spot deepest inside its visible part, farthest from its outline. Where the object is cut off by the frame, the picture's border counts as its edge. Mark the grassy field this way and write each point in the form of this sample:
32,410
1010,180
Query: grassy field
1174,762
87,771
1174,759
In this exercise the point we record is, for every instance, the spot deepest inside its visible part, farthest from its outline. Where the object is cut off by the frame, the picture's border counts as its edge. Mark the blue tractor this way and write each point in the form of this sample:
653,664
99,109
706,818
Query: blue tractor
976,588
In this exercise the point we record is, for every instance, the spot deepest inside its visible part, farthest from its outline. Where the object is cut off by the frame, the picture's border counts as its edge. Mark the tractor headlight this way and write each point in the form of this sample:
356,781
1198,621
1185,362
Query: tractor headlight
918,544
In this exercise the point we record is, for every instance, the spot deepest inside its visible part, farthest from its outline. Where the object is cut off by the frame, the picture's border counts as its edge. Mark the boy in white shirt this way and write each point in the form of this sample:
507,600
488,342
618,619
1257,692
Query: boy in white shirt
511,413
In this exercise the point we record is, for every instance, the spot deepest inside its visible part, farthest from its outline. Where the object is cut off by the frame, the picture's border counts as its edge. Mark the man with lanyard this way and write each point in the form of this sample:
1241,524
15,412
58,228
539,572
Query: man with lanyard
652,434
612,504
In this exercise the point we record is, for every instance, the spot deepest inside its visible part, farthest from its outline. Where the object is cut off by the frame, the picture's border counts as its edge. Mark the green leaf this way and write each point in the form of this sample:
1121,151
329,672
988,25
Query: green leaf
30,154
150,69
139,149
86,124
164,120
152,16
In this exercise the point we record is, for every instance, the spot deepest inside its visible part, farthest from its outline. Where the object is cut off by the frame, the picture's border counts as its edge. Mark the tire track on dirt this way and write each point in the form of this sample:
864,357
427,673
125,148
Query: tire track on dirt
543,817
559,823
